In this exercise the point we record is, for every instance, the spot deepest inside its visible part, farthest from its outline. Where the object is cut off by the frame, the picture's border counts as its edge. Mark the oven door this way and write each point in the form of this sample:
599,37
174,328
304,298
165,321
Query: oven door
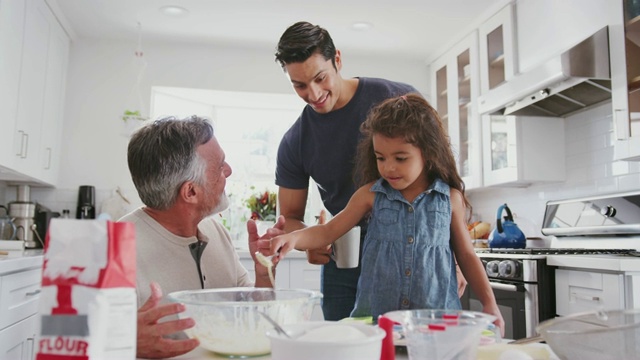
517,304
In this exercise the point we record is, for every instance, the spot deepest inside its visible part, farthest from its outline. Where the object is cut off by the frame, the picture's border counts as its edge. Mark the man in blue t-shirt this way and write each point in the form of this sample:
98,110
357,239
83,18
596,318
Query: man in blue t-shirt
322,143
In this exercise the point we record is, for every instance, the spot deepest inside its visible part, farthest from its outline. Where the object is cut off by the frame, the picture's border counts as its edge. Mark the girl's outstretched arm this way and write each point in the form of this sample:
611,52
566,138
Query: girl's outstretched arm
319,236
469,262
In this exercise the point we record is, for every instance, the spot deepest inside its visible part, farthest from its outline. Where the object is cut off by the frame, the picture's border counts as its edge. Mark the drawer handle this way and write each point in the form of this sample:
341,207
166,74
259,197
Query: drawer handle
585,297
33,293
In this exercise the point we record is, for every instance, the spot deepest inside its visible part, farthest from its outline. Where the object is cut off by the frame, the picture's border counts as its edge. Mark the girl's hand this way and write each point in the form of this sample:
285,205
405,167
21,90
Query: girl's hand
462,281
493,310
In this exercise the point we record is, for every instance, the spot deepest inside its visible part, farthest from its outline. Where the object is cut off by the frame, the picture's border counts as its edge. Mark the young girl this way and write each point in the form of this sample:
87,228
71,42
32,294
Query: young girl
417,216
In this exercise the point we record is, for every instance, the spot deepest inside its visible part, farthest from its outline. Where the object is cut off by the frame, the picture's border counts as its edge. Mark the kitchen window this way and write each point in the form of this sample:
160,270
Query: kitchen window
249,127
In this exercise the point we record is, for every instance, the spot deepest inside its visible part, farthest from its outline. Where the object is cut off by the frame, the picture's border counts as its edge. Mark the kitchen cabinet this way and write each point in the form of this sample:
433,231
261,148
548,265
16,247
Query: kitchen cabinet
41,61
624,42
455,86
497,49
596,282
18,341
519,151
293,272
582,291
12,15
19,295
53,107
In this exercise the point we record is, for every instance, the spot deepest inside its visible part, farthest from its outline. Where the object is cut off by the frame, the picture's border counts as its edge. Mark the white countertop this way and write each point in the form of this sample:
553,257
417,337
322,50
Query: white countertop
200,353
620,263
19,260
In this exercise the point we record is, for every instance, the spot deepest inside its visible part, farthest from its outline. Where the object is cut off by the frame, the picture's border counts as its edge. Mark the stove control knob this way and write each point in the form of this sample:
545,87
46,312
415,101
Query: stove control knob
507,269
608,211
493,268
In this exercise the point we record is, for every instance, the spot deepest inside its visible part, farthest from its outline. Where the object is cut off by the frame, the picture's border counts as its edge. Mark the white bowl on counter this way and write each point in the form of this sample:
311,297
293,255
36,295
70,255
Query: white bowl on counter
321,340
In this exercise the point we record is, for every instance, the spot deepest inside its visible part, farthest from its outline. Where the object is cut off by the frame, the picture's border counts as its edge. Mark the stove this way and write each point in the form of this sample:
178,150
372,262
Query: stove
556,251
523,283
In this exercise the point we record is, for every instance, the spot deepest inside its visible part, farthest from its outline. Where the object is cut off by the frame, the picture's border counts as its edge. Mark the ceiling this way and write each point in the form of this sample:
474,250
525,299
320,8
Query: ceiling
415,29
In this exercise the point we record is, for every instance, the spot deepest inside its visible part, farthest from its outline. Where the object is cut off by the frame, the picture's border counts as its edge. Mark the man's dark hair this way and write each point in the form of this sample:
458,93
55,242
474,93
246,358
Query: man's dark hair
303,39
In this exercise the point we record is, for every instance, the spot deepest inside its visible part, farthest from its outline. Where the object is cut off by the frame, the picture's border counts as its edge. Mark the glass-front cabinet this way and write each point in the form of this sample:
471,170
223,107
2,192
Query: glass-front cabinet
455,86
624,42
521,150
497,49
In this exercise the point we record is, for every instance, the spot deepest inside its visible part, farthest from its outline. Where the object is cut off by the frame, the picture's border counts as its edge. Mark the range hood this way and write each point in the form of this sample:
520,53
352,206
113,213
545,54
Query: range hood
575,80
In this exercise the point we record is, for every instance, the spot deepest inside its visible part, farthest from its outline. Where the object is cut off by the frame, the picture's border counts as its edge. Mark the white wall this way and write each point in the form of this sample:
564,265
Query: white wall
102,74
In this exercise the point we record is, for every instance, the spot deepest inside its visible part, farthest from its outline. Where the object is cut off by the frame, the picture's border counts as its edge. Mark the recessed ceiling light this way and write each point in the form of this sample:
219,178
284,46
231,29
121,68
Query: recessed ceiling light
361,26
174,11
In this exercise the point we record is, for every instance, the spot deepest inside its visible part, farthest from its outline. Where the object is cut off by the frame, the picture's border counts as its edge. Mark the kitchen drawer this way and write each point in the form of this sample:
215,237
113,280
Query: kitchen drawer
580,291
19,293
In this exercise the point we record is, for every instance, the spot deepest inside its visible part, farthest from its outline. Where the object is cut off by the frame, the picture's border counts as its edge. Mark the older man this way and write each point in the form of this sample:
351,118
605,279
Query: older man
179,171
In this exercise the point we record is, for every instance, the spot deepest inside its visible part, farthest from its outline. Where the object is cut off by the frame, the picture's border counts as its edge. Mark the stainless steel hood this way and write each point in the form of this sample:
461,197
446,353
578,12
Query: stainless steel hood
576,79
614,214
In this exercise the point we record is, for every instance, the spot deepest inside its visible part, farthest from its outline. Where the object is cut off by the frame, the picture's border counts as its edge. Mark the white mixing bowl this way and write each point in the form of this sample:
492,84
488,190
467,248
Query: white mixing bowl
321,340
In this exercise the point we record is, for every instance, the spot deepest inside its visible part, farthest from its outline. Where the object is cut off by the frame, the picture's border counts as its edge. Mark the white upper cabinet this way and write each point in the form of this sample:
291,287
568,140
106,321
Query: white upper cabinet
624,42
497,49
514,154
55,85
455,87
33,72
12,15
35,91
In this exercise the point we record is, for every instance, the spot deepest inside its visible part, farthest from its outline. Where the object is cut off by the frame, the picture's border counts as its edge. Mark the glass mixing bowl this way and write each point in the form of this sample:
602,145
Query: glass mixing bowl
442,334
229,323
597,335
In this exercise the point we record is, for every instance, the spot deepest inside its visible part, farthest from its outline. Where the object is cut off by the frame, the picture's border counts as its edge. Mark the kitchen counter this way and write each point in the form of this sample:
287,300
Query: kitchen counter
20,260
619,263
203,354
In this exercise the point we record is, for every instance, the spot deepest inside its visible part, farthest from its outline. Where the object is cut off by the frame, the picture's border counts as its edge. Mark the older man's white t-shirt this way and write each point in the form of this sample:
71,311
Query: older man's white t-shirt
168,260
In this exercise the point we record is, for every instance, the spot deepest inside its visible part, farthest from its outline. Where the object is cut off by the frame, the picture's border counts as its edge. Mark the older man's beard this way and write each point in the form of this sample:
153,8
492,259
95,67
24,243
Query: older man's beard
222,205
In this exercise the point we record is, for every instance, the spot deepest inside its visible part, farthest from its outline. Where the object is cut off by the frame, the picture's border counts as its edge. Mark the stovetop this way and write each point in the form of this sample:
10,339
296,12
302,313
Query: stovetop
557,251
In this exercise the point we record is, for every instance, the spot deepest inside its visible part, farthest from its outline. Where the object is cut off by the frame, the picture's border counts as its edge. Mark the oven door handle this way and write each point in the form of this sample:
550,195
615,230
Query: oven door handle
506,287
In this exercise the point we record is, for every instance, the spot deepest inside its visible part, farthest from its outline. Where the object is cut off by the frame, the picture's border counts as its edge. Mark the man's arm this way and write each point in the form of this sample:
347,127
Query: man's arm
292,203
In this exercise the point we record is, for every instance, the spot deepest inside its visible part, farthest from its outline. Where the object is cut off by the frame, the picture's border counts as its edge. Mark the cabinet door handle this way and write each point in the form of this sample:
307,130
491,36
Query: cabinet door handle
33,293
25,143
585,297
30,347
503,287
48,166
620,124
21,143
